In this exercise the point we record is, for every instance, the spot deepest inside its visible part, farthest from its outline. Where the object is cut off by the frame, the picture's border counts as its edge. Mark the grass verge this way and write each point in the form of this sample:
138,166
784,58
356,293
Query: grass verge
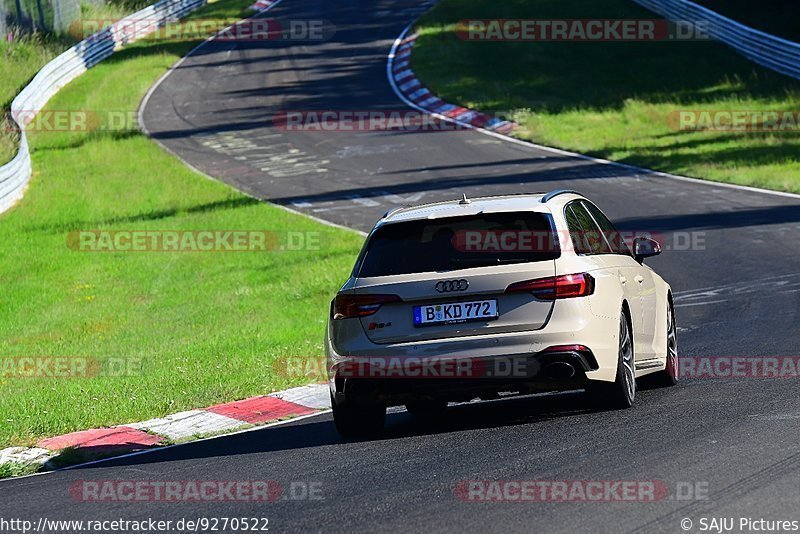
27,53
192,328
20,60
614,99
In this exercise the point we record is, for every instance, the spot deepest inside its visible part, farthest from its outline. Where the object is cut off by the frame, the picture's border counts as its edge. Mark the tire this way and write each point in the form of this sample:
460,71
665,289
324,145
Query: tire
621,393
358,420
669,376
427,408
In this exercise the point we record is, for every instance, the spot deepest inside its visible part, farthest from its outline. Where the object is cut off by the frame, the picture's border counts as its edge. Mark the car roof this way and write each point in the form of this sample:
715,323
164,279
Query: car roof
475,206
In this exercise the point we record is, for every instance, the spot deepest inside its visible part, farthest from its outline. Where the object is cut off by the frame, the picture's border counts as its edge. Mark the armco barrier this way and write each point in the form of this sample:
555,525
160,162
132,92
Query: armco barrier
767,50
68,66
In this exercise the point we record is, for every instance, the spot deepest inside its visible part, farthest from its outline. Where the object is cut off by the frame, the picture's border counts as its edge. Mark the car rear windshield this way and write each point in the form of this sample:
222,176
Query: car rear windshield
459,243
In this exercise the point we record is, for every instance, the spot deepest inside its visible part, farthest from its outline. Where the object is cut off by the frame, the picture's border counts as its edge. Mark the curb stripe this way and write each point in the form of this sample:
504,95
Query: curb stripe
121,437
398,68
260,409
33,455
410,85
417,95
315,396
184,425
299,402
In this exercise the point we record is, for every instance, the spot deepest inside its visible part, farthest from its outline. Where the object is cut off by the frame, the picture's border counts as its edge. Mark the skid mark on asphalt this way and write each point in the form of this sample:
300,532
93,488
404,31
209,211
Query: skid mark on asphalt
735,492
385,198
275,157
788,467
776,417
366,150
766,287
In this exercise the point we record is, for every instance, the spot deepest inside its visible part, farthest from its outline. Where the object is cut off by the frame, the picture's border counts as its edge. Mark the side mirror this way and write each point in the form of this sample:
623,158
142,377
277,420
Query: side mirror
644,247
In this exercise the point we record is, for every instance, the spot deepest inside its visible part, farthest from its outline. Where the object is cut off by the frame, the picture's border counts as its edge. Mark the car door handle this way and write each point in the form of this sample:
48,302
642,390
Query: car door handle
623,280
639,278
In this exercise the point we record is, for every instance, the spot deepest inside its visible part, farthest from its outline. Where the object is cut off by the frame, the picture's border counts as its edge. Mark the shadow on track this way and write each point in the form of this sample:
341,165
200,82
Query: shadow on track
320,431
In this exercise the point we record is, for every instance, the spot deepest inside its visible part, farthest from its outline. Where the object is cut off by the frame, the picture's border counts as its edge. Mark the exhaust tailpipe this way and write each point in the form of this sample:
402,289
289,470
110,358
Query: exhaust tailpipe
560,371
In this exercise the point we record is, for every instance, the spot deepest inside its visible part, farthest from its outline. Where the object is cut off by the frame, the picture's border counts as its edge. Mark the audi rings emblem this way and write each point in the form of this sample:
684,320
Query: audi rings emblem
450,286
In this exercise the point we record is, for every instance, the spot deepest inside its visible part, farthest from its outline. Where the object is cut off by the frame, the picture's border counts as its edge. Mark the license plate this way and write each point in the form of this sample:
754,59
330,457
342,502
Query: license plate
455,312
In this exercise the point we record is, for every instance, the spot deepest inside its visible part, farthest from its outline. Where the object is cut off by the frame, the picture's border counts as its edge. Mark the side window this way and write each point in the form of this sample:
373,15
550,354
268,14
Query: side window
614,238
586,236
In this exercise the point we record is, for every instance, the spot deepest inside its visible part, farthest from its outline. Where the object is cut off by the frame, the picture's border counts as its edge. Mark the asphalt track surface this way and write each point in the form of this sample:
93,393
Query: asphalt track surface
737,293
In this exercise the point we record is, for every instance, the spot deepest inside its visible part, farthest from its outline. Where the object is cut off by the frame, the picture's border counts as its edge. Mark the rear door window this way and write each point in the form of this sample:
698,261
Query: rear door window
585,234
612,235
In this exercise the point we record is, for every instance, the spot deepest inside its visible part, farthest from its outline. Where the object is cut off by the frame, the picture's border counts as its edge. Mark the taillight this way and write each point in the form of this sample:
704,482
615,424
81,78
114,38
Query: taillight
556,287
346,306
567,348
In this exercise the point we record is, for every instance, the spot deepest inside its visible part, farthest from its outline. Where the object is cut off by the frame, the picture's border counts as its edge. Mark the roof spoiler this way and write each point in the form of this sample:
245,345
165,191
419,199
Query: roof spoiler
553,194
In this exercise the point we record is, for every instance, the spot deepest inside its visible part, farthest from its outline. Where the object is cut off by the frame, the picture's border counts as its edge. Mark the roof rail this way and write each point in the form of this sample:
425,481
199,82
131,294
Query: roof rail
553,194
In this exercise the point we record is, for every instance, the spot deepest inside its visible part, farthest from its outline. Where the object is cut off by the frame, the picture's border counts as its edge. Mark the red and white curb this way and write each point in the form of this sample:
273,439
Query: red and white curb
183,426
412,89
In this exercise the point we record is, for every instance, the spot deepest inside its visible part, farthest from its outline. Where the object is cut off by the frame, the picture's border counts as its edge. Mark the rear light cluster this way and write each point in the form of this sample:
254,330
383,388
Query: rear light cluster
565,286
346,306
567,348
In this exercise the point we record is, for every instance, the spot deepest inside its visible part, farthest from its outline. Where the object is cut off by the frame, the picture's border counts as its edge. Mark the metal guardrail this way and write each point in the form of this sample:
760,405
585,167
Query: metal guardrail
15,175
778,54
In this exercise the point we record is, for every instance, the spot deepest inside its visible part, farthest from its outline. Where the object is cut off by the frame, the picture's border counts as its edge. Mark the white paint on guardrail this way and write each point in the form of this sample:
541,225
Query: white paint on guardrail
14,175
767,50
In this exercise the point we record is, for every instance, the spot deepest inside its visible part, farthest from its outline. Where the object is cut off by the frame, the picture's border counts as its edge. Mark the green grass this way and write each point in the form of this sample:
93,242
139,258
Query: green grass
208,327
22,58
11,469
19,62
613,99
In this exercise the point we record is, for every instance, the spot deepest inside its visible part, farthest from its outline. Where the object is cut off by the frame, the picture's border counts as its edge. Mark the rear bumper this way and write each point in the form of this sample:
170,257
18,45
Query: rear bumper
373,381
484,365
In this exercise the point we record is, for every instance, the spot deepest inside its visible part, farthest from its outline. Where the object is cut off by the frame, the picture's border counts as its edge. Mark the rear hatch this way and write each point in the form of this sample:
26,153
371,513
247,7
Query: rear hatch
454,274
